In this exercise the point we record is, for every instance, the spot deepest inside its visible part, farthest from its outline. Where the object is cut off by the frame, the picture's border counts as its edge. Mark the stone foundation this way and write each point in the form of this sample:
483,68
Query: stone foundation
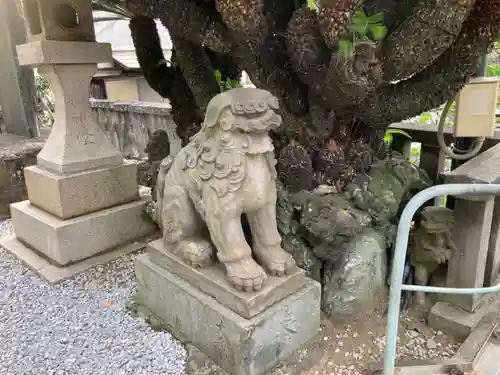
454,320
239,346
71,195
65,242
16,153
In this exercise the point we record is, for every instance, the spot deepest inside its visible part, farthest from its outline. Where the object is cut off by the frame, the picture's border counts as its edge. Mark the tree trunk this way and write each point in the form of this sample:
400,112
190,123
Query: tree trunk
336,102
335,108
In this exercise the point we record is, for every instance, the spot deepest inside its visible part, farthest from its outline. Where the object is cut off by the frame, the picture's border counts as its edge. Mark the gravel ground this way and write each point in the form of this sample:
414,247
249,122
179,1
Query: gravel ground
350,348
81,326
78,327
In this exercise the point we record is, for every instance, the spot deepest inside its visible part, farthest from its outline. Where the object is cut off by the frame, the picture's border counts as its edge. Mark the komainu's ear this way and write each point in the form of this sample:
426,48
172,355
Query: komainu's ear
215,108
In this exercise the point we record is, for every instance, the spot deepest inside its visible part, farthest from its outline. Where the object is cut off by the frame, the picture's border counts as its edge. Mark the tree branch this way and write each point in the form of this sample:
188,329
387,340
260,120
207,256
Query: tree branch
307,50
195,22
440,81
423,36
167,81
334,17
350,80
246,21
197,71
150,54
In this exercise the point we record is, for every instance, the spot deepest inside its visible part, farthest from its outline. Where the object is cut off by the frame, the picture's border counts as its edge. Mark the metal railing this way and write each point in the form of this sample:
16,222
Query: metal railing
400,251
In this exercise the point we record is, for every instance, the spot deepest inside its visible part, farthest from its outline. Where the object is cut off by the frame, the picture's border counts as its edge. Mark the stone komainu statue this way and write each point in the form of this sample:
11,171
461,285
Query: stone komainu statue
227,169
431,245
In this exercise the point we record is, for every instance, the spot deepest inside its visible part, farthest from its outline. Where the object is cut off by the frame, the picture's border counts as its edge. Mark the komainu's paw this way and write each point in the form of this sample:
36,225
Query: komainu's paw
276,261
246,275
196,253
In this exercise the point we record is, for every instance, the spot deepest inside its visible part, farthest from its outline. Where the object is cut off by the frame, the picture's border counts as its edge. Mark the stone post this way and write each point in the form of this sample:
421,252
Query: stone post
83,198
476,261
471,234
17,83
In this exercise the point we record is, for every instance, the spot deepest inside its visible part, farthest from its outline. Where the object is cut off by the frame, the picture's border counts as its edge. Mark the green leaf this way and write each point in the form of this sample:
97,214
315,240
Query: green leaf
388,138
359,23
378,31
359,17
313,5
359,28
235,84
398,131
376,18
425,117
493,70
218,78
346,48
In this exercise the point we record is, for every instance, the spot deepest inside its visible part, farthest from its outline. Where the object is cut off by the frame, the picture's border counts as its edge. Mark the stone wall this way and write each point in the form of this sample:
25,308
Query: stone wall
131,124
128,124
15,153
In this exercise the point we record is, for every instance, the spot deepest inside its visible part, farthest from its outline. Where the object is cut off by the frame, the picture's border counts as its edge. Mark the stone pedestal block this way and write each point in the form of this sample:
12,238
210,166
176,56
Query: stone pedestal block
71,195
457,322
447,316
67,241
212,281
239,346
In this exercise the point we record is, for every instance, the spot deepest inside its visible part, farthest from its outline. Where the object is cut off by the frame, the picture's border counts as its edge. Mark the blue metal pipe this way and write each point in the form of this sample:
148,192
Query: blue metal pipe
400,251
432,289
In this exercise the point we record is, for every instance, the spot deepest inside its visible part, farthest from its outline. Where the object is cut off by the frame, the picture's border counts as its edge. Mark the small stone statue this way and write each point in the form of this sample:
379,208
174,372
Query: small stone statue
226,170
431,245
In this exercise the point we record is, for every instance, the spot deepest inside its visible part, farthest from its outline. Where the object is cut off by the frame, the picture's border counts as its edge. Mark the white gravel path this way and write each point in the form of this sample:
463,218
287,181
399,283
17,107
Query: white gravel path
78,327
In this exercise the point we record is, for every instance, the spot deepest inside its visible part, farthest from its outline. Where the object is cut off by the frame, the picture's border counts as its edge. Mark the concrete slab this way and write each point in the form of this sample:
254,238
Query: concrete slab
456,321
239,346
54,274
473,347
421,367
212,281
489,363
69,241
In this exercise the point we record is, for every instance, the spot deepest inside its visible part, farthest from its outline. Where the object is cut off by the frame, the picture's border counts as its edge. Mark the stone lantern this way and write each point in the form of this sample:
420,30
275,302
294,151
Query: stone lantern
83,197
69,20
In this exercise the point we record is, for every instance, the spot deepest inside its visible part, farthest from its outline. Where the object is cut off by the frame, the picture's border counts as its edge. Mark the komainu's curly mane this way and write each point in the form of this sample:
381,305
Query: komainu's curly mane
219,161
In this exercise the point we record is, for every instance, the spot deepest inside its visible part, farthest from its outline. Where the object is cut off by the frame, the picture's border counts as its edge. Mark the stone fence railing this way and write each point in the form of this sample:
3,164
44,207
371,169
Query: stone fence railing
130,124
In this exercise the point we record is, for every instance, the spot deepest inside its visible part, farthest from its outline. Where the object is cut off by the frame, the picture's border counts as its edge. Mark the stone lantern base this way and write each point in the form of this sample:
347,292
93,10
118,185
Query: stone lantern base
84,206
72,222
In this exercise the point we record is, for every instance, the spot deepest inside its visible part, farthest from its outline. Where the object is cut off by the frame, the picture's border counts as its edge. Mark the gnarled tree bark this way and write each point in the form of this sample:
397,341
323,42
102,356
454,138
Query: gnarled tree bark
336,108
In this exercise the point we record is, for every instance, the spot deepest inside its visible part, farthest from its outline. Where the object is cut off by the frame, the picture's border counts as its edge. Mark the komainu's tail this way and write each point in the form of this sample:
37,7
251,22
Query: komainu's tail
153,209
165,166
